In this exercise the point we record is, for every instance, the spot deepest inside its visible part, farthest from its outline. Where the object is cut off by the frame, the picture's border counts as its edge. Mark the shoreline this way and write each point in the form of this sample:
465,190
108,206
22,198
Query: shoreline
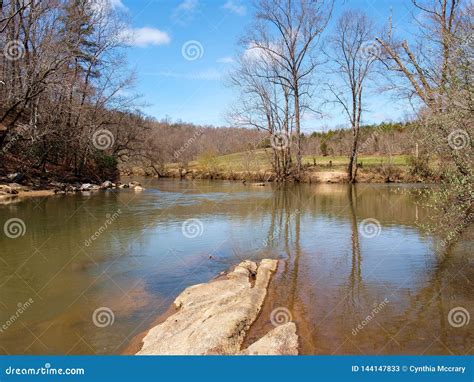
10,192
310,176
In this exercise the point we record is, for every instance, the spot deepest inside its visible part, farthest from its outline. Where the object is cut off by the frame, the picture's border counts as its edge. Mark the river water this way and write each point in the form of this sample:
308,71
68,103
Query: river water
88,273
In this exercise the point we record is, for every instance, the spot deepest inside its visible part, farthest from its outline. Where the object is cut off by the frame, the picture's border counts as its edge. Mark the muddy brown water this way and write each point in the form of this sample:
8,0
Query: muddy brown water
88,273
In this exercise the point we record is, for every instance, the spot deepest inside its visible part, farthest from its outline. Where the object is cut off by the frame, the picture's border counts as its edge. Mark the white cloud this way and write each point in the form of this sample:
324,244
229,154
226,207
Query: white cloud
143,37
225,60
235,7
256,53
185,11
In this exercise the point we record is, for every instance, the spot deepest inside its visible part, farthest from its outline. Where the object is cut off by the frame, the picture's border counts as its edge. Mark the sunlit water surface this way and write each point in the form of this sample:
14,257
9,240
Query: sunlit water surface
131,253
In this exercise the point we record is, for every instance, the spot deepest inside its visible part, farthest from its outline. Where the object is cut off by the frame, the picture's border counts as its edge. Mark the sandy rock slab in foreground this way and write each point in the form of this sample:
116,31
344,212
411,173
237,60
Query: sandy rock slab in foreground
213,318
278,341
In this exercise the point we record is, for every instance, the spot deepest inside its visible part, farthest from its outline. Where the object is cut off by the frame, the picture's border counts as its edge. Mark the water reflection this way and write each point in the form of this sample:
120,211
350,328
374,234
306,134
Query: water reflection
331,276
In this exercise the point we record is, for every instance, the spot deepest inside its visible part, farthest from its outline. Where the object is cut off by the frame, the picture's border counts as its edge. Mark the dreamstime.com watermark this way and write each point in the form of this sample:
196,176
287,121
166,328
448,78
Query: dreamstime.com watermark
458,317
107,223
20,130
280,141
14,228
22,307
192,228
370,228
454,234
103,317
103,139
280,316
377,309
188,143
14,50
44,370
192,50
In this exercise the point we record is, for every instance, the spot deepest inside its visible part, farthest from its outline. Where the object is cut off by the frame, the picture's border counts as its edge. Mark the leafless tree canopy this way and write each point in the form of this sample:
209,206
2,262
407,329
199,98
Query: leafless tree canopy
352,57
285,36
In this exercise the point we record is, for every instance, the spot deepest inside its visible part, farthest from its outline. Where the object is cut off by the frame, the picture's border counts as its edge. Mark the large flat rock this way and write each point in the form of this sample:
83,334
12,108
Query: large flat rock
213,318
279,341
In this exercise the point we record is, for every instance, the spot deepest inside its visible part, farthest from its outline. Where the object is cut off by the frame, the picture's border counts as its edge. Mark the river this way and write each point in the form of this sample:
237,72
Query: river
89,272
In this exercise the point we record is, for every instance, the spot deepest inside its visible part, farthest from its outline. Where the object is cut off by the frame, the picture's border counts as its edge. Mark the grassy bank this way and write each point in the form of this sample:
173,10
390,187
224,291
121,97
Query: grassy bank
258,160
255,166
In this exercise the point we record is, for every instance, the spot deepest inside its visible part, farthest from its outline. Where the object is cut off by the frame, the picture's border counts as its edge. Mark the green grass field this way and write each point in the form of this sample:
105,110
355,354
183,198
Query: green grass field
259,160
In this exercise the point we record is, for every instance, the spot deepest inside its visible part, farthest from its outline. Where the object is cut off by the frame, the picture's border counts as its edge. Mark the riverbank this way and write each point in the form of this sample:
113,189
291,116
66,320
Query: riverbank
215,317
11,191
255,166
310,176
14,191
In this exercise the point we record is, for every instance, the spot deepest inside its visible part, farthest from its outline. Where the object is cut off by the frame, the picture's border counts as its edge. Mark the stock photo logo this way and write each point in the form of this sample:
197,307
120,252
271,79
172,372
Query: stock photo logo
14,228
459,139
103,317
14,50
459,317
370,228
280,316
280,141
192,50
103,139
192,228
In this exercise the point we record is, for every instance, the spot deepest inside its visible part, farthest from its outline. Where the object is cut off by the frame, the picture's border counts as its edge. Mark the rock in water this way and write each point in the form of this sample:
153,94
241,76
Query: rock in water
86,187
107,184
278,341
213,318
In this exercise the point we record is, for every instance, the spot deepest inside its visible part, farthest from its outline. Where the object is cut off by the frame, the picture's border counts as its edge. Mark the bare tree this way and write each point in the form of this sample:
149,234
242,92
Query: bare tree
265,104
288,33
352,60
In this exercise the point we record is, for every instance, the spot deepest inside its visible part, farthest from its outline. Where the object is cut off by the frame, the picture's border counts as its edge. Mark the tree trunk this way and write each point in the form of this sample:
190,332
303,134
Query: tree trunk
352,167
298,135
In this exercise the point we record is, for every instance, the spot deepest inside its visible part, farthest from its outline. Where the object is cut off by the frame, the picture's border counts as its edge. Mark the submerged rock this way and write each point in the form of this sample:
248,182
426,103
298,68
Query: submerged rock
213,318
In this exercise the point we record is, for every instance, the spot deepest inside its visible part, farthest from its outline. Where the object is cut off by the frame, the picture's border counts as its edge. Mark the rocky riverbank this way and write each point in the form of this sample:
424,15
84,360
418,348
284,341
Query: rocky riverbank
10,190
214,318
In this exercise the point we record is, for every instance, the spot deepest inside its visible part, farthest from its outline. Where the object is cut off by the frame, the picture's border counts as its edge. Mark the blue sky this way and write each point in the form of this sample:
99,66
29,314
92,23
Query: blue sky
182,50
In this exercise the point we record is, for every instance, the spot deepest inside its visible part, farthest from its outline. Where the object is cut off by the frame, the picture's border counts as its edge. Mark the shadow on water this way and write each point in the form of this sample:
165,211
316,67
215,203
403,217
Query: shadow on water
357,274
